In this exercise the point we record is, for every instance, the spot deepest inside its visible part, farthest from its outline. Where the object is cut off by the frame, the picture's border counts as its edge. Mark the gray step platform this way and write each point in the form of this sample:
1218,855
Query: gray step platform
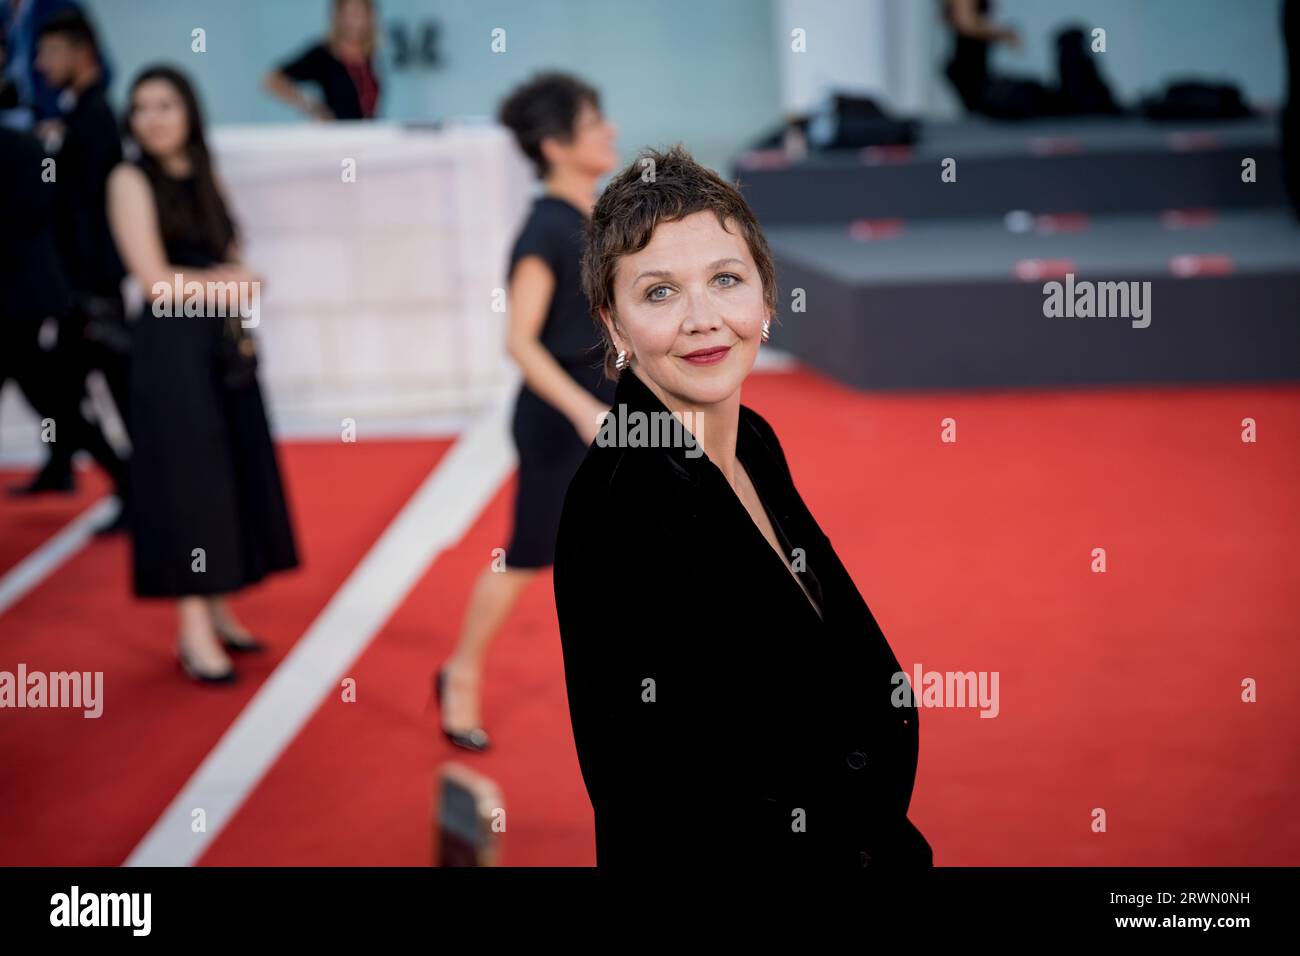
1097,165
951,305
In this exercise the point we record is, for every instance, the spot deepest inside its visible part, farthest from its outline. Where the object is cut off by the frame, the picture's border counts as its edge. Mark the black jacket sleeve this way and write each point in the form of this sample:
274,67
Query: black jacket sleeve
307,67
664,782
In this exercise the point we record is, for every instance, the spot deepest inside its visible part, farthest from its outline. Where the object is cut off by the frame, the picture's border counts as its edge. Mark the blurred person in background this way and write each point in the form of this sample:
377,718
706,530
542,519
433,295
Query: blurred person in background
557,121
20,26
93,335
1078,90
341,67
209,514
973,34
33,292
35,302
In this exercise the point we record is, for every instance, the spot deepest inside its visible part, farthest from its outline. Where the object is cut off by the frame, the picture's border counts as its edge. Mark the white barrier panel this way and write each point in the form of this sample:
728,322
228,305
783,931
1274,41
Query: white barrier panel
381,247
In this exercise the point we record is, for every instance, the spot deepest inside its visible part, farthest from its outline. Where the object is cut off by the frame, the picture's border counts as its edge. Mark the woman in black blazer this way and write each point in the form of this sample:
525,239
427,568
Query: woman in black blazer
732,697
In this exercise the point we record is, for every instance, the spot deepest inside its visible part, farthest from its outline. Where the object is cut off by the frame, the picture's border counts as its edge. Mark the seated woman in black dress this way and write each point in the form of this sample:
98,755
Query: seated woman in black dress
973,34
557,122
341,67
209,514
732,697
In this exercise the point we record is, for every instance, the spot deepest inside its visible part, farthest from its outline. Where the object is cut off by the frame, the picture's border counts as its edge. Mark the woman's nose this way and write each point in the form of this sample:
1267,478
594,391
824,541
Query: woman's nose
701,312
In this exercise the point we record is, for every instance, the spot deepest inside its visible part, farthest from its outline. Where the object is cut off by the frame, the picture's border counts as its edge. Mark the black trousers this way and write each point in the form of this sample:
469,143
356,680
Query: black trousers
54,383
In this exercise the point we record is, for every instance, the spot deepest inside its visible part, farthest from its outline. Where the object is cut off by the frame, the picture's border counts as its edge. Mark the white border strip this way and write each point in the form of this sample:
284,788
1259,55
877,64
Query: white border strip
21,579
438,514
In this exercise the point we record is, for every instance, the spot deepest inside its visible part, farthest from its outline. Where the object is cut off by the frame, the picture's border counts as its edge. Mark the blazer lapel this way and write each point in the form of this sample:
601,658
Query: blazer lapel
632,395
708,487
780,498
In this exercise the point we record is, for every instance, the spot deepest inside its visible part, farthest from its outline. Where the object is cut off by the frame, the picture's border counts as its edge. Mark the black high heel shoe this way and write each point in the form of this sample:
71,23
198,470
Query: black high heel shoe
203,677
476,739
247,645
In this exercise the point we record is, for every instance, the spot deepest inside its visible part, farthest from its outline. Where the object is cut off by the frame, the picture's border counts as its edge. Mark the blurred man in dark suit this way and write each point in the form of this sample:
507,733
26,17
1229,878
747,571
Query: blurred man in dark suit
32,288
92,334
90,146
28,93
35,299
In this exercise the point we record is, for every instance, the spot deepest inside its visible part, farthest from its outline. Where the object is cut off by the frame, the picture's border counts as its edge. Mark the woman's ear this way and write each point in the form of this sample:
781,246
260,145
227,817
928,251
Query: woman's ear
551,149
611,327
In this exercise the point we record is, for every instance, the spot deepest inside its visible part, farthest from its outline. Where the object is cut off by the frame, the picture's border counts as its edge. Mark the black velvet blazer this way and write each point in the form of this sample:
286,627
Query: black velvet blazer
717,717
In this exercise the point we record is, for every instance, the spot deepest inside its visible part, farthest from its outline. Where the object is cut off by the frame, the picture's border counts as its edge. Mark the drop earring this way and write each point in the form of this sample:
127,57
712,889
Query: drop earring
767,329
621,361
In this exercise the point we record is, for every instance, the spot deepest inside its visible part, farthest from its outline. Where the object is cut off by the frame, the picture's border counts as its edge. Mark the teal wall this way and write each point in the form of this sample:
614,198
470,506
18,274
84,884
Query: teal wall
702,71
696,70
1148,42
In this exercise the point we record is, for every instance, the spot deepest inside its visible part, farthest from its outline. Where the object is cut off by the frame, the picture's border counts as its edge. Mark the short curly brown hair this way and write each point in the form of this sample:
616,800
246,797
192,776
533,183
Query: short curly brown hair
660,187
546,105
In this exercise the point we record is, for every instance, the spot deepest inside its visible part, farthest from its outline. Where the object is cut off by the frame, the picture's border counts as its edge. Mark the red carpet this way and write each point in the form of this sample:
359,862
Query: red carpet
28,523
1118,691
369,766
81,791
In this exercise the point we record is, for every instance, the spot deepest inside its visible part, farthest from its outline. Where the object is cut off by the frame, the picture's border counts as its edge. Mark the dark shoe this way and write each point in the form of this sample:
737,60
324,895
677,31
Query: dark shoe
476,739
204,677
62,483
240,644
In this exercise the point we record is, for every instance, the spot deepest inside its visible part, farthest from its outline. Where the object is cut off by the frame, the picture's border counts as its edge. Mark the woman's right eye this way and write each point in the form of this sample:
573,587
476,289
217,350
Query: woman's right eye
651,293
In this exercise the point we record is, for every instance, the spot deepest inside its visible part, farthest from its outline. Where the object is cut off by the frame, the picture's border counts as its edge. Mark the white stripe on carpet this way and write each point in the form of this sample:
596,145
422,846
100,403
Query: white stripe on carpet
54,553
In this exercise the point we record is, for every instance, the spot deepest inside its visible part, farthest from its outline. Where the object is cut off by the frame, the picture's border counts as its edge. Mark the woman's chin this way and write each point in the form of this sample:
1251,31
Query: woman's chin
708,386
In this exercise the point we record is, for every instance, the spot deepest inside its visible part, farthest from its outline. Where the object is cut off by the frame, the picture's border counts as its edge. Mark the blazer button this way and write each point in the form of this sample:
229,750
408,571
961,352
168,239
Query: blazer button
857,760
864,857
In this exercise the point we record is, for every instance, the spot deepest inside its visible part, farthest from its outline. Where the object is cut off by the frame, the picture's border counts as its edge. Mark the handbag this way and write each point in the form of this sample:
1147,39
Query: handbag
236,355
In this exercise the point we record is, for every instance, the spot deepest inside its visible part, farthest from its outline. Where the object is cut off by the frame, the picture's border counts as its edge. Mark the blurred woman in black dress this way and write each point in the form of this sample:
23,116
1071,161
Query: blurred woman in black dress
209,512
734,703
557,122
341,67
973,35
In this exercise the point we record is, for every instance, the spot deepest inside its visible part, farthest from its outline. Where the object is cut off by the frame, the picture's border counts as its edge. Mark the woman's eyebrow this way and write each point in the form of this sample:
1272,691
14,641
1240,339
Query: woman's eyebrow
664,274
